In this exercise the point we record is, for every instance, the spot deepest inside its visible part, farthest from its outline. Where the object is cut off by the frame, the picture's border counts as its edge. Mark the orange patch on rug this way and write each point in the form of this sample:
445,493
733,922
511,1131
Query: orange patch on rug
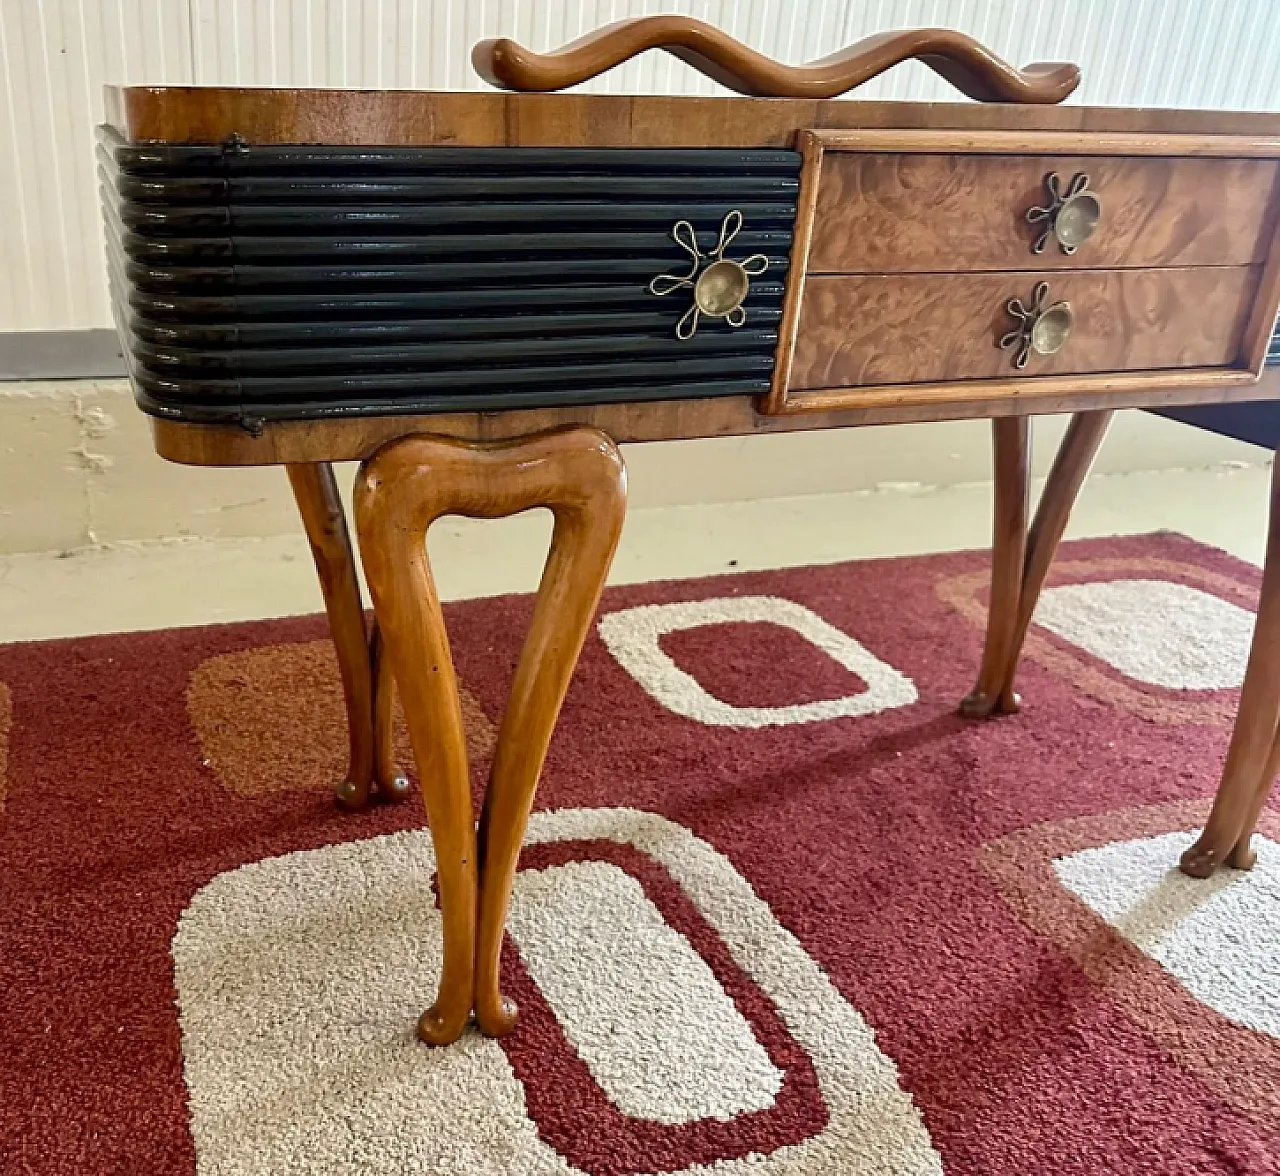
1242,1065
272,719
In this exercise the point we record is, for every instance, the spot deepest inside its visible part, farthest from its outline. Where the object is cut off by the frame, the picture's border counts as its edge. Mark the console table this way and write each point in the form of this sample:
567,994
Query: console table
478,295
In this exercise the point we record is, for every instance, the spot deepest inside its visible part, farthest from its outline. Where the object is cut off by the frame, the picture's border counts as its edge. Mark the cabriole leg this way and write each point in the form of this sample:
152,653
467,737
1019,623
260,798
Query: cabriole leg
1021,564
1011,437
578,474
1254,753
1070,468
371,764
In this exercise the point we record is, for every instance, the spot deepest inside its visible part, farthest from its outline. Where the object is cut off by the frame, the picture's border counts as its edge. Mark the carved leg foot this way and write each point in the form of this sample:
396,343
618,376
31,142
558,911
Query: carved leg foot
1227,838
978,704
1253,756
578,474
1242,857
1203,859
1020,564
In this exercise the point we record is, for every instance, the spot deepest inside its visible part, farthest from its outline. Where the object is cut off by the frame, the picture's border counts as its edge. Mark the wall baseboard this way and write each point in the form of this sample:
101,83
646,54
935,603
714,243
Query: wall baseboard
60,355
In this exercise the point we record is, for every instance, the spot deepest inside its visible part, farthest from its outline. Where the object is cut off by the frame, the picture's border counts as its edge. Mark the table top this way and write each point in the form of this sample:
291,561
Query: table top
209,114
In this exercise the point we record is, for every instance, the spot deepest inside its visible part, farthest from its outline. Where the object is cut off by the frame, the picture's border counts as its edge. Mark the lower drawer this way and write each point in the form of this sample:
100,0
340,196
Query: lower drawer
859,330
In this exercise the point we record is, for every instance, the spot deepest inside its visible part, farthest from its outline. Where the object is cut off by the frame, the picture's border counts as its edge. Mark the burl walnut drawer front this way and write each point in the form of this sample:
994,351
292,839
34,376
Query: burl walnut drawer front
925,328
961,266
893,213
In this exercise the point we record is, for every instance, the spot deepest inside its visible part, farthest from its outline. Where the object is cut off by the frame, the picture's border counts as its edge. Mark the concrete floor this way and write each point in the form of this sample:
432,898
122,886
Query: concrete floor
121,587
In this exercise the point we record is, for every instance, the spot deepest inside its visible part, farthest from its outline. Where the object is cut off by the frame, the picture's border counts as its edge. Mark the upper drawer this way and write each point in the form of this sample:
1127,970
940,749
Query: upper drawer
902,212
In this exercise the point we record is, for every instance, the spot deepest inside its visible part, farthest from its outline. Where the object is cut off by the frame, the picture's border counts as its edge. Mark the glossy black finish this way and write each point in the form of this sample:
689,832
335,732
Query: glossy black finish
354,220
380,332
471,354
255,283
305,159
1255,421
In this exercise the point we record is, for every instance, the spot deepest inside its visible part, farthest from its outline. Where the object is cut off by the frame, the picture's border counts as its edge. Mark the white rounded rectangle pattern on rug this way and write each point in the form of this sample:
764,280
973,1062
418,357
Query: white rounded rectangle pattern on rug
1154,631
1219,937
300,979
634,637
640,1006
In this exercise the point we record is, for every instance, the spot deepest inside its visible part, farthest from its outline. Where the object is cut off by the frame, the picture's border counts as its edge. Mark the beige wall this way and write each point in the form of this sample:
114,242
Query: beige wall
77,468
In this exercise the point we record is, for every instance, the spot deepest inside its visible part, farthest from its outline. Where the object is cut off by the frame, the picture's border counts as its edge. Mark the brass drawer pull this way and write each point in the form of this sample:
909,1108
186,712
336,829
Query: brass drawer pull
720,285
1043,327
1072,215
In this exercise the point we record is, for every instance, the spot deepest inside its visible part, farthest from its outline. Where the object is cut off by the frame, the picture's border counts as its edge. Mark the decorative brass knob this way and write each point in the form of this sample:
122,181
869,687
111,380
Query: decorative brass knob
1043,327
720,285
1072,215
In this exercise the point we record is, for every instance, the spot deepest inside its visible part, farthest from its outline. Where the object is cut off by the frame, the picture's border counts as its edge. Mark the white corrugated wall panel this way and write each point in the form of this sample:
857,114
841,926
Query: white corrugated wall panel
55,55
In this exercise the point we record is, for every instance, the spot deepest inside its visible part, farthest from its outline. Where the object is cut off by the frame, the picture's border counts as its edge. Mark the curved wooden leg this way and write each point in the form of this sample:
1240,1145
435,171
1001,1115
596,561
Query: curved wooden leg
588,498
1070,468
371,766
392,529
1021,563
578,473
1011,437
1254,754
316,493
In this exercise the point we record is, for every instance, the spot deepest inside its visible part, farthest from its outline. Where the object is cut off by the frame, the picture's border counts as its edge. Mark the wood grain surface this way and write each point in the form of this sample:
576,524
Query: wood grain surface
922,328
967,64
208,114
879,213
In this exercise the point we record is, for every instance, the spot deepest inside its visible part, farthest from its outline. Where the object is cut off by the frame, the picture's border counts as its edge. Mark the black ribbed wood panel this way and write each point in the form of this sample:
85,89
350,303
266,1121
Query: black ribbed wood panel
266,283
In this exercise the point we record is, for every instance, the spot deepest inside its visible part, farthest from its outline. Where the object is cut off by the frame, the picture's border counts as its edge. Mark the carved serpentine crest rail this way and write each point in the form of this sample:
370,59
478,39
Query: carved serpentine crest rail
967,64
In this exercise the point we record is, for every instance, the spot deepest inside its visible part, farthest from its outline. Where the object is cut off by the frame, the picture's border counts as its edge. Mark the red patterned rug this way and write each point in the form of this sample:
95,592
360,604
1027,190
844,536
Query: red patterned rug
781,910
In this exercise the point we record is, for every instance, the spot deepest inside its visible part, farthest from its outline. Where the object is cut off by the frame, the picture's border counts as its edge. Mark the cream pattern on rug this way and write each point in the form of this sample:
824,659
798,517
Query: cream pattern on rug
1154,631
633,636
300,979
638,1004
1220,938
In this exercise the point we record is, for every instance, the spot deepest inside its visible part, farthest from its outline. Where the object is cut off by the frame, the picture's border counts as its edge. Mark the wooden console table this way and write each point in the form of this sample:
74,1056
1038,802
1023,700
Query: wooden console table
479,295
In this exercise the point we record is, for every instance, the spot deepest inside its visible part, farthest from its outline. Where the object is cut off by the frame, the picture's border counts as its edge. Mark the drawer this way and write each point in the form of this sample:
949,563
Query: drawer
894,329
895,212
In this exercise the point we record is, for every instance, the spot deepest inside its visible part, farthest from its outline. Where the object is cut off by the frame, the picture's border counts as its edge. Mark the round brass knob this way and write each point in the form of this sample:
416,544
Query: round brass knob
1052,328
721,288
1071,216
1043,327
